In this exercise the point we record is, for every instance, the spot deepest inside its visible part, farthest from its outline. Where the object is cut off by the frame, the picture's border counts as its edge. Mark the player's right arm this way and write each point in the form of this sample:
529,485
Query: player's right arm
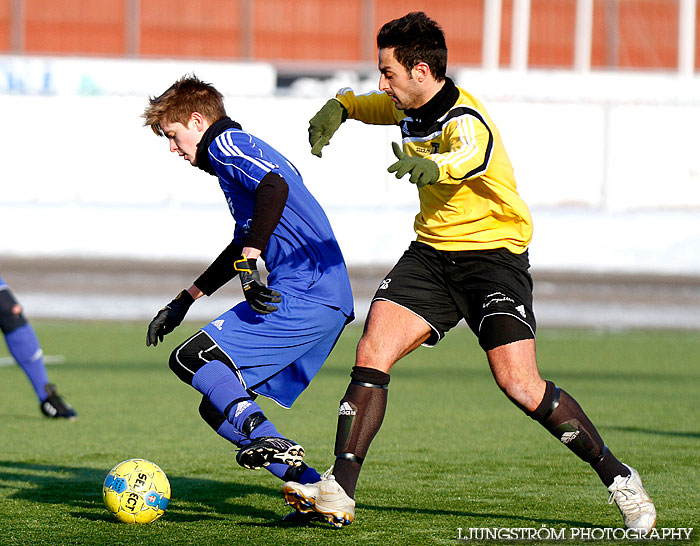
375,108
236,259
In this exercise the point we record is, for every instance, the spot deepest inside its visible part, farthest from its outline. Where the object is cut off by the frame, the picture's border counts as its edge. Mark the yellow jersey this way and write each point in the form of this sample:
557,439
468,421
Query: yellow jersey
474,205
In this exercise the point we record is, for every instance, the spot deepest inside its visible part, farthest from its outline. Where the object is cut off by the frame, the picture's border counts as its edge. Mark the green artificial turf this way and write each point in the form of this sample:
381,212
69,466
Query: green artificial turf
453,452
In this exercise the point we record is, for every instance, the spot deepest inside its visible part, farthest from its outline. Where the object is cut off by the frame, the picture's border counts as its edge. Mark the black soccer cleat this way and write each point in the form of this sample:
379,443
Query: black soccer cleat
55,407
268,449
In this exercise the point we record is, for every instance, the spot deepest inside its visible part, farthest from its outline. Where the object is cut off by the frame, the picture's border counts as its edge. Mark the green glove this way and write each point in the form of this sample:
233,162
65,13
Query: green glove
324,125
423,171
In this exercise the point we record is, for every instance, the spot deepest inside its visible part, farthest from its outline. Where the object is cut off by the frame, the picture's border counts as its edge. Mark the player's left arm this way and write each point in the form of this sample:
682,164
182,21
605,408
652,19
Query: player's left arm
466,144
236,259
241,258
270,200
469,142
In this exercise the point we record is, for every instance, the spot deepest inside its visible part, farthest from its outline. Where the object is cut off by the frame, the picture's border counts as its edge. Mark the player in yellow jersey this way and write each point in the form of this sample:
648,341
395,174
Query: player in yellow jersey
469,262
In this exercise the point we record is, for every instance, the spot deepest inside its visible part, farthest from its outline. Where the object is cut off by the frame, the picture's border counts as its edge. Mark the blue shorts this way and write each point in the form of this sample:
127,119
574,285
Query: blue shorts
277,355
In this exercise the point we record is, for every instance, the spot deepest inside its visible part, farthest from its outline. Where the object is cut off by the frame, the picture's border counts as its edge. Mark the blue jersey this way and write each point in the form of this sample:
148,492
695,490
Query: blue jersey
302,256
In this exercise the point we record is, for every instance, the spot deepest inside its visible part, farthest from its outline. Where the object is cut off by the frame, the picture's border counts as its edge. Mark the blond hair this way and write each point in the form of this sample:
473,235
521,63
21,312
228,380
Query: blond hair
187,95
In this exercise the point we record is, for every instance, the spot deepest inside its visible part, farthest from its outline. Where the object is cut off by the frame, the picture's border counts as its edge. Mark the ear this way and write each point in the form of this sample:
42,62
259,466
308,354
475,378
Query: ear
199,122
421,72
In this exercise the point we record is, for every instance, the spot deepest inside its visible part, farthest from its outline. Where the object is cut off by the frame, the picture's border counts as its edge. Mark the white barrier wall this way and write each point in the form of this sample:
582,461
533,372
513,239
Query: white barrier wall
100,76
612,185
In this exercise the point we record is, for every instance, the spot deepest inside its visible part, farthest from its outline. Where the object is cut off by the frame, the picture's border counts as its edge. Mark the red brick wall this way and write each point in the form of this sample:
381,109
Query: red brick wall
334,30
75,26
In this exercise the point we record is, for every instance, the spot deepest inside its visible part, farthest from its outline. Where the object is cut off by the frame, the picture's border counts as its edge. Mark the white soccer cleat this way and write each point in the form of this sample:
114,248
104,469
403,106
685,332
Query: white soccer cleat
326,497
638,511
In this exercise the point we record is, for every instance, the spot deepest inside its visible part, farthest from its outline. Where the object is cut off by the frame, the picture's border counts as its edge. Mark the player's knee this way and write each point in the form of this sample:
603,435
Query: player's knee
191,355
509,388
364,348
184,360
370,352
11,316
524,394
210,414
549,402
178,366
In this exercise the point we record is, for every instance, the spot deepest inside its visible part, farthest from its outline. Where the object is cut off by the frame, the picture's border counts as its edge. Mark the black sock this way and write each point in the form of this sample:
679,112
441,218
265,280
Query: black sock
561,415
359,418
608,467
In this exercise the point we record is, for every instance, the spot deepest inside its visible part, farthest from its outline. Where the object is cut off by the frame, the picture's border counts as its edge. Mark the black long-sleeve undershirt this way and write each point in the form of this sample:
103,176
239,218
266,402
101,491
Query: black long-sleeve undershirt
270,200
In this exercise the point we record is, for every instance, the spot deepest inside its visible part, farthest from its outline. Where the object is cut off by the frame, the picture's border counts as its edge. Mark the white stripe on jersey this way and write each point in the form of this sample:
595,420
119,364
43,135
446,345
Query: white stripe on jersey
234,166
345,90
423,138
467,136
228,148
469,148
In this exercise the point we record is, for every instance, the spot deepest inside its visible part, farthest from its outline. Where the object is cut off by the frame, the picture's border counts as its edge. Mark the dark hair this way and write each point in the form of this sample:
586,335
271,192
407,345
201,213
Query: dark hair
416,38
188,94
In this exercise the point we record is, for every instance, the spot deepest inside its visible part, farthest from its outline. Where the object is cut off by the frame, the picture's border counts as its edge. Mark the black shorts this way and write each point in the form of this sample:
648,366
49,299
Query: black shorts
443,287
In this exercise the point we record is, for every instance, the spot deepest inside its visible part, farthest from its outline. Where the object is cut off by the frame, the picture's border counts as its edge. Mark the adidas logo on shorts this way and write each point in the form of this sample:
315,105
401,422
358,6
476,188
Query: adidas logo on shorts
346,409
218,324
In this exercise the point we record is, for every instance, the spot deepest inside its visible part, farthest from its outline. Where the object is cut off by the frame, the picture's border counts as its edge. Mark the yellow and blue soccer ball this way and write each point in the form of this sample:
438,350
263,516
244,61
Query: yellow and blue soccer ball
136,491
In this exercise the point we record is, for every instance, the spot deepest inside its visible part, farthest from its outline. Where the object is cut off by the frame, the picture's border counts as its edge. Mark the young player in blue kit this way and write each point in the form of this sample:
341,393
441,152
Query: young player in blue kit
275,342
25,349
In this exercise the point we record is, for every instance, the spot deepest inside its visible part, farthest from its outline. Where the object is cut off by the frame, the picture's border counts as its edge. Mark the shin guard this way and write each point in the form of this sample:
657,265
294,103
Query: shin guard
359,418
561,415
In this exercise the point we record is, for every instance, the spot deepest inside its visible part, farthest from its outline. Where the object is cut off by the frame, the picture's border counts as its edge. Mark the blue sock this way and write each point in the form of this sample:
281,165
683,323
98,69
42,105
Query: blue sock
227,431
25,349
310,475
216,381
279,470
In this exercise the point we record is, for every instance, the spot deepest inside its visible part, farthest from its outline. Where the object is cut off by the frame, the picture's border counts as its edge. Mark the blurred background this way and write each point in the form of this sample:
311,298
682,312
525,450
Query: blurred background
598,103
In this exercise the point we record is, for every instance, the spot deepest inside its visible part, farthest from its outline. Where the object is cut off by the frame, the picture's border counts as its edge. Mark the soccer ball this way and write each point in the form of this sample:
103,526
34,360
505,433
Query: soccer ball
136,491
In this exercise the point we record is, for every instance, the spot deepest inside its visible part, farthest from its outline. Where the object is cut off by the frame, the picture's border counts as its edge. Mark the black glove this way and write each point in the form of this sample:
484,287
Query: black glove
324,125
258,296
168,318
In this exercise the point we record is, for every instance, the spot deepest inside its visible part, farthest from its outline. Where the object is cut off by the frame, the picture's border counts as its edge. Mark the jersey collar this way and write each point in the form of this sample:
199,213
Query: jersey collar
208,137
438,106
